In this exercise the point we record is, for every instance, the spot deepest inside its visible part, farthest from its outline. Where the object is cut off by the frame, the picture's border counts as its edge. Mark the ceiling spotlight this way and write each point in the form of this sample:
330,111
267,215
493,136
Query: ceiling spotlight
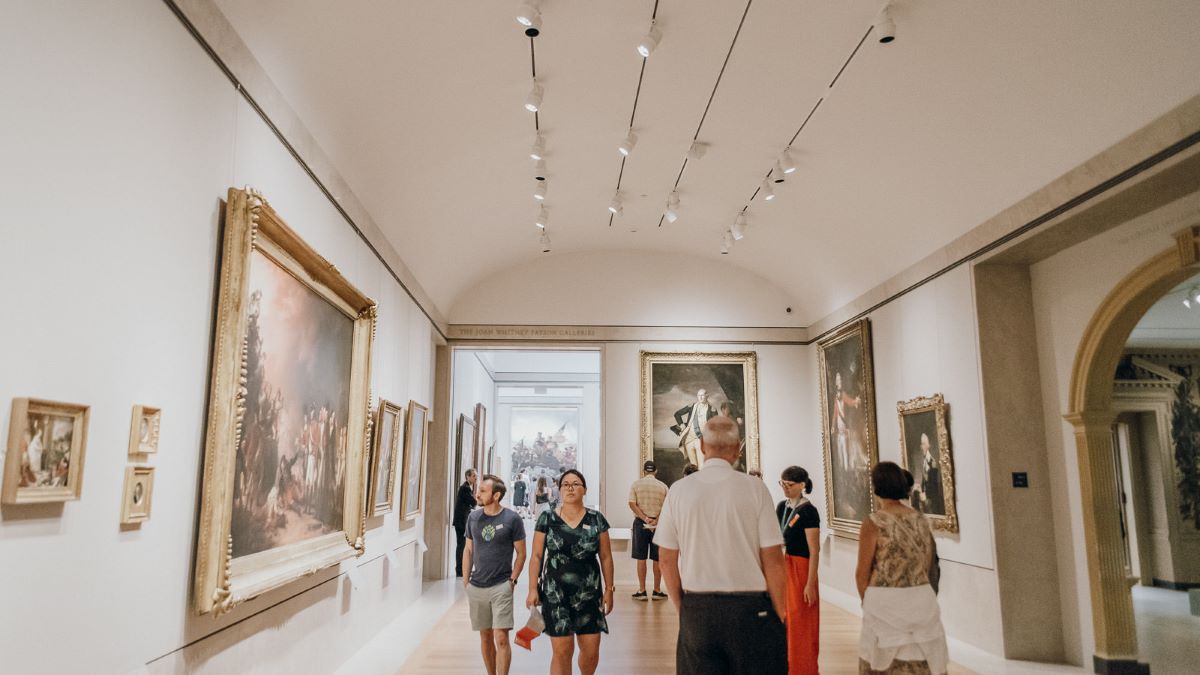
767,192
1187,303
885,27
539,170
533,102
1195,293
542,216
787,162
535,26
650,41
539,148
777,173
615,206
738,229
727,240
627,145
672,207
539,192
545,241
528,14
697,151
724,249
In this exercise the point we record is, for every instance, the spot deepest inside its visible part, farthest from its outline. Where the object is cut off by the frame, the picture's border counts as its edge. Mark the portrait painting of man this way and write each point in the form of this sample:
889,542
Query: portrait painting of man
925,452
682,392
848,416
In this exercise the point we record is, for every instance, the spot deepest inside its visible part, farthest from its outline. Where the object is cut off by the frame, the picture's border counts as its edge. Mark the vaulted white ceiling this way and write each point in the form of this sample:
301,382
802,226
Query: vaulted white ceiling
974,106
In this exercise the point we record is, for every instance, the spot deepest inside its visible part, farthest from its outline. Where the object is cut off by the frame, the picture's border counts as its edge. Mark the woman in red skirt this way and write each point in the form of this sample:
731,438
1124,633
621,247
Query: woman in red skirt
801,525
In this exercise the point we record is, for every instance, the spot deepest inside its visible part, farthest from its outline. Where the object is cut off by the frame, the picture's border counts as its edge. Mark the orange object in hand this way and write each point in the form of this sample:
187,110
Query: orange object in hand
531,630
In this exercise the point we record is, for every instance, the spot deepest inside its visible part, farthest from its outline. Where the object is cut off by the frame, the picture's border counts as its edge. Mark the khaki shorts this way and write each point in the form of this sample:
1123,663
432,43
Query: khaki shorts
492,607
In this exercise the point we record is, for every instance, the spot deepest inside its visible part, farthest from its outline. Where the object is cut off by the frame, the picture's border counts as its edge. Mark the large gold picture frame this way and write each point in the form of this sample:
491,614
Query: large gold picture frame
412,472
848,430
222,580
932,467
691,371
381,483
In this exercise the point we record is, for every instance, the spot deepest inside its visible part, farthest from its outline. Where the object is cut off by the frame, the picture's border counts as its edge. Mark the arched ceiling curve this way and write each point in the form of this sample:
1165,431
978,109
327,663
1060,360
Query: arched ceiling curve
970,109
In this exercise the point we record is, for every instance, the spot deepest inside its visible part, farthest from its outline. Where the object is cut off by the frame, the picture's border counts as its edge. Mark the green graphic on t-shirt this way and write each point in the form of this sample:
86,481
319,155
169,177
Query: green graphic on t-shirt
489,532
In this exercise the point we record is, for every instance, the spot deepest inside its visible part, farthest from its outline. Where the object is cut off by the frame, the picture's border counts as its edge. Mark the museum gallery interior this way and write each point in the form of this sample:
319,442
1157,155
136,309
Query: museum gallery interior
280,271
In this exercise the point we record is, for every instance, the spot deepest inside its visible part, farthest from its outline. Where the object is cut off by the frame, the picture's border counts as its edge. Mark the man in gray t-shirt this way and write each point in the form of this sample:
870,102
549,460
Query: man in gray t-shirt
494,535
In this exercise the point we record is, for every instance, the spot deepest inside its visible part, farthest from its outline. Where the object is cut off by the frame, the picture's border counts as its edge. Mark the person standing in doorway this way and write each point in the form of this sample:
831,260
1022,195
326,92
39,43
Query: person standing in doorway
519,500
801,526
722,559
494,536
464,503
646,497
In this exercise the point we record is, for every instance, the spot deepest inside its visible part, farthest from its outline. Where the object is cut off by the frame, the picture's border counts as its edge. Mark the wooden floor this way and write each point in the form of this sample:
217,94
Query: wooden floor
641,640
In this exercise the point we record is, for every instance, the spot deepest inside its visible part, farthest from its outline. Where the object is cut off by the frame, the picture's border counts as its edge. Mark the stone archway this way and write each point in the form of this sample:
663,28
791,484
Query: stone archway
1092,414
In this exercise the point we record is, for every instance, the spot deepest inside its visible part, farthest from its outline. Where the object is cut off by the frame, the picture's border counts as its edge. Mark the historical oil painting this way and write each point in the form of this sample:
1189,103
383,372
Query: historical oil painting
413,472
925,452
388,427
848,424
545,441
681,392
46,443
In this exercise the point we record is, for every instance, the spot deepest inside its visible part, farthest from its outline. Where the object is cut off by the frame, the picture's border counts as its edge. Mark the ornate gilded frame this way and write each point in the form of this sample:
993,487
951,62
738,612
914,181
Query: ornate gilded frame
134,513
479,451
10,490
378,505
221,582
862,330
749,363
415,410
937,405
153,419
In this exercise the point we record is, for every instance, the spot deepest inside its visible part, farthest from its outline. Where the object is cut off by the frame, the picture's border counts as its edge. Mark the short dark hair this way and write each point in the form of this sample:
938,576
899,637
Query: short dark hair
889,481
498,485
690,469
469,473
573,472
797,474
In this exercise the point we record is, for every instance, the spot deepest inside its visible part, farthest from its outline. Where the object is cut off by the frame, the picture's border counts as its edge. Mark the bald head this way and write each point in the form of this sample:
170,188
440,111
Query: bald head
720,439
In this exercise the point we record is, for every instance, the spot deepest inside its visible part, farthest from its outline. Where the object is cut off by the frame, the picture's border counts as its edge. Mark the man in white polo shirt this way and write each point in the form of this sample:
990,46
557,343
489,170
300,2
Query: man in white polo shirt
721,557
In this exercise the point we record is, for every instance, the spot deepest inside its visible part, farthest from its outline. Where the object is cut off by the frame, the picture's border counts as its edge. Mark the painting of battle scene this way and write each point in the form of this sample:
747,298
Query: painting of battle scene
291,462
545,441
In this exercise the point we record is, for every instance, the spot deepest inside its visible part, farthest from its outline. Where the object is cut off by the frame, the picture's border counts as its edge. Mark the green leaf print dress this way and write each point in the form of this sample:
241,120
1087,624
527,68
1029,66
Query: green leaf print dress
571,586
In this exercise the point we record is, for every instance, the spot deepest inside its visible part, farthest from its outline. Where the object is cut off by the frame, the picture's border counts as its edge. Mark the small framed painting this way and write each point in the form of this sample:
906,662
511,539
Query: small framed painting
382,483
135,500
46,443
143,430
413,473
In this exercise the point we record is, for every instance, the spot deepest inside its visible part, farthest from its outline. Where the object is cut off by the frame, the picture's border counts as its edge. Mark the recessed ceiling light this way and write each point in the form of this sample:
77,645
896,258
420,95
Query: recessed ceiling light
533,102
539,192
767,192
649,41
628,144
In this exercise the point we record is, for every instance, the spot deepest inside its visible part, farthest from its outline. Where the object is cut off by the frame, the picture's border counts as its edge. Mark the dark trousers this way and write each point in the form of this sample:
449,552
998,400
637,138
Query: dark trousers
730,634
460,535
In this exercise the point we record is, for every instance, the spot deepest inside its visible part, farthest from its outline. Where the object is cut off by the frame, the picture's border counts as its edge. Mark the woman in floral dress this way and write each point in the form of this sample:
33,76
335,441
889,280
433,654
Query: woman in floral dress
571,551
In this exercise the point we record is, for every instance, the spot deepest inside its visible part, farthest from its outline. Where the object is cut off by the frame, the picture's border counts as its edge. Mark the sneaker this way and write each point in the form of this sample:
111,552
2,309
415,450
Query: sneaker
641,595
659,595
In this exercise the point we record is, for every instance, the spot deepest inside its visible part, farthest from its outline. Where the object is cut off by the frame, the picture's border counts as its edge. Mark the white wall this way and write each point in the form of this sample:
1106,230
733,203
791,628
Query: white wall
120,140
626,288
1067,289
472,384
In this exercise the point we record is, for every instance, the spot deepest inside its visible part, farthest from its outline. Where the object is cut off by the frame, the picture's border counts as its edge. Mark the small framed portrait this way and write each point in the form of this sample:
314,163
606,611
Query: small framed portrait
925,452
143,430
135,500
382,482
46,443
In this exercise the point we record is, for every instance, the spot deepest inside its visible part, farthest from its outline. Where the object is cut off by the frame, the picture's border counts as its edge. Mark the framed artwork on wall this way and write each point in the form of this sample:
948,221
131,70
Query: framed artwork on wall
143,430
46,444
545,440
289,391
848,425
389,424
925,452
479,449
412,473
464,456
683,390
135,499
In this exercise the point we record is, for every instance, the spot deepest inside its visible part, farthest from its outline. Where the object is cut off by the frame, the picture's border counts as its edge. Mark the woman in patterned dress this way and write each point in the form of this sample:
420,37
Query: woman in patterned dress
570,552
902,631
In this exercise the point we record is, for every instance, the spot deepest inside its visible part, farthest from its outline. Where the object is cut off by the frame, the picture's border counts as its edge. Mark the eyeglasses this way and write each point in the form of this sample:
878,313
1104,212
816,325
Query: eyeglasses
786,484
571,486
